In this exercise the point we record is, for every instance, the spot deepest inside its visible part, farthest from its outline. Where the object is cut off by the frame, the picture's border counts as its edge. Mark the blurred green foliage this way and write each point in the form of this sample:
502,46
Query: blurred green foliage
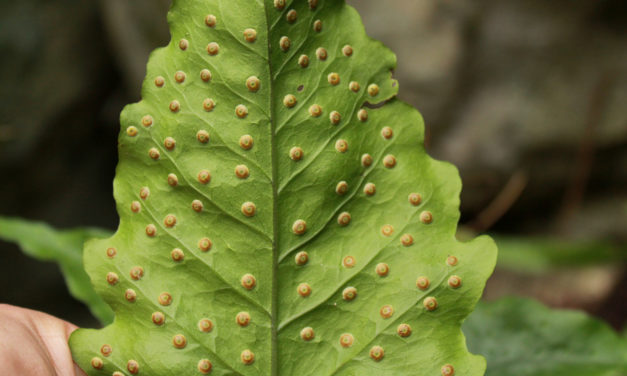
521,337
540,254
42,242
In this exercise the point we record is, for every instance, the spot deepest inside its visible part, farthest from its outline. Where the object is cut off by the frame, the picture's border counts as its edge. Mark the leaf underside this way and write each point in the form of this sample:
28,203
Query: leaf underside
239,158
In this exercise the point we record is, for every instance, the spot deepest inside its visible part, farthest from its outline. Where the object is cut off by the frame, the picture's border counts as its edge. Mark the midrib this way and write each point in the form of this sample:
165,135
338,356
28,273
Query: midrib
274,353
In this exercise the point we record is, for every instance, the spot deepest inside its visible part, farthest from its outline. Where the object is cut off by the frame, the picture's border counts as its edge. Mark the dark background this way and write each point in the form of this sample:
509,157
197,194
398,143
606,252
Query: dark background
527,97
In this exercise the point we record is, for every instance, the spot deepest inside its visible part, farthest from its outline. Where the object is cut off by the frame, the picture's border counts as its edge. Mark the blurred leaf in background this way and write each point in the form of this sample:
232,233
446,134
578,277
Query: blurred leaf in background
586,273
42,242
521,337
540,254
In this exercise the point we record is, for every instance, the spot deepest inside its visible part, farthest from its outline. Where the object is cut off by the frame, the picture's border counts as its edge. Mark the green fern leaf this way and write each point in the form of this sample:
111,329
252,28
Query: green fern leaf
272,222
